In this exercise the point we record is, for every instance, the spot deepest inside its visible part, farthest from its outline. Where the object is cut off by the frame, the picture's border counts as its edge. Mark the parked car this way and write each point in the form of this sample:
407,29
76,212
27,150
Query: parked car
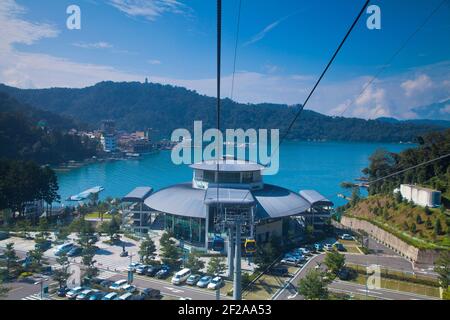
339,246
43,246
344,274
62,249
204,281
163,273
72,293
129,288
97,295
118,284
346,236
4,235
85,294
74,252
305,251
181,276
137,297
193,279
110,296
151,293
62,292
106,283
142,269
328,247
153,270
215,283
125,296
133,266
279,271
318,246
291,261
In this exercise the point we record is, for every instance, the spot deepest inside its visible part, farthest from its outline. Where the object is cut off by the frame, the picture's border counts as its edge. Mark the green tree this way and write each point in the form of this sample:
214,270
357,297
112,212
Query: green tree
438,227
413,228
62,234
428,223
170,253
147,251
61,274
216,266
334,262
194,262
314,286
3,290
419,219
398,197
87,259
427,210
36,258
11,258
267,253
442,268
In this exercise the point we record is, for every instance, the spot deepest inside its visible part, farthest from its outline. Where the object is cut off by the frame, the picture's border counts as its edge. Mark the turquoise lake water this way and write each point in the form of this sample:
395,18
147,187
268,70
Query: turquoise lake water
303,165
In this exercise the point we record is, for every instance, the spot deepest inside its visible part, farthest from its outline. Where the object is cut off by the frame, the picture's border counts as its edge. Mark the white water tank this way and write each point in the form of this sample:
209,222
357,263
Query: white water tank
421,196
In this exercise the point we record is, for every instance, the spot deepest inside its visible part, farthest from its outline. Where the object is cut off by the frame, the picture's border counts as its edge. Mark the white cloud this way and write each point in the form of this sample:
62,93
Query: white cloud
262,34
95,45
16,30
417,85
445,110
154,61
149,9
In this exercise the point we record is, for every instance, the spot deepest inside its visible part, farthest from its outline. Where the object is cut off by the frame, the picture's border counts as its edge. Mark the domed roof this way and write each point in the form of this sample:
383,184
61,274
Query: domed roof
228,165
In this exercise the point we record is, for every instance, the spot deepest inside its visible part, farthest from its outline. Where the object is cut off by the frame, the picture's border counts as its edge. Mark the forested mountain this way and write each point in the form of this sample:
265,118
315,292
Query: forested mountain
33,135
164,108
439,123
435,175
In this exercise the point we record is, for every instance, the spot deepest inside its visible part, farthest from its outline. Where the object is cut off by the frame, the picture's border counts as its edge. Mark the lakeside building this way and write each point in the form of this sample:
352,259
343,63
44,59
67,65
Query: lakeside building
108,138
197,211
420,196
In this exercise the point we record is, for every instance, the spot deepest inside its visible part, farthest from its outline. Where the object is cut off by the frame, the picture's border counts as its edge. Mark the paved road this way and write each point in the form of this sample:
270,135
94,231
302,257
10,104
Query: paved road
385,294
290,290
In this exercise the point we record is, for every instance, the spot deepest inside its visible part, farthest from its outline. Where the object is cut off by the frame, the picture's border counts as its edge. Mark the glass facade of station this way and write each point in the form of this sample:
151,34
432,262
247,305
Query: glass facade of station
189,229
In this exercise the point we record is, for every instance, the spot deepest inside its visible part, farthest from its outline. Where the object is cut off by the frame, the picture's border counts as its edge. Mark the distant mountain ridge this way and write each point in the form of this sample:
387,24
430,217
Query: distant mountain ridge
435,111
440,123
136,105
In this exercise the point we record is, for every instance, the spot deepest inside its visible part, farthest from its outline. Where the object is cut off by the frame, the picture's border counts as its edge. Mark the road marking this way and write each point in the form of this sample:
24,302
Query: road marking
15,289
174,290
293,296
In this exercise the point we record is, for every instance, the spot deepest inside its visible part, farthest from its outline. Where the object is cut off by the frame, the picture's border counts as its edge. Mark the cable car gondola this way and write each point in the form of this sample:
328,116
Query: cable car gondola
218,243
250,245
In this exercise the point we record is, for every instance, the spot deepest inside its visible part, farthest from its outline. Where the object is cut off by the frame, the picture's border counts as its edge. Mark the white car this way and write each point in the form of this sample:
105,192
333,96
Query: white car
328,247
346,236
85,294
118,284
291,261
132,267
215,283
129,288
303,251
72,294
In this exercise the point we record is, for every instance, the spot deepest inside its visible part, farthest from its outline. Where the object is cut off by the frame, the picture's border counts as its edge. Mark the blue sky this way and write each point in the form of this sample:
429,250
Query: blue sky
283,46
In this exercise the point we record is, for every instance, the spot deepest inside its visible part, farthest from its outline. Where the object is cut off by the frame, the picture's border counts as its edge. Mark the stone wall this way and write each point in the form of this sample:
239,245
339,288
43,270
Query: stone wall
424,257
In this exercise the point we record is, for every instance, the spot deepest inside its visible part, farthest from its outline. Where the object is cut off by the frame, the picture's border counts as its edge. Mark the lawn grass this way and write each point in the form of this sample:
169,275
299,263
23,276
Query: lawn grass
266,286
402,286
95,215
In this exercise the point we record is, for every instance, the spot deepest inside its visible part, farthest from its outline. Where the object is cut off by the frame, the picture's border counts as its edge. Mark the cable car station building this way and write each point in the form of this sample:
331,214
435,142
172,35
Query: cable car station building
220,191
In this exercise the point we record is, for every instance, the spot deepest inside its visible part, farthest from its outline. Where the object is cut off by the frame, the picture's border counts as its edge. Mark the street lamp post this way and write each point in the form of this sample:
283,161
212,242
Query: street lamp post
41,283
